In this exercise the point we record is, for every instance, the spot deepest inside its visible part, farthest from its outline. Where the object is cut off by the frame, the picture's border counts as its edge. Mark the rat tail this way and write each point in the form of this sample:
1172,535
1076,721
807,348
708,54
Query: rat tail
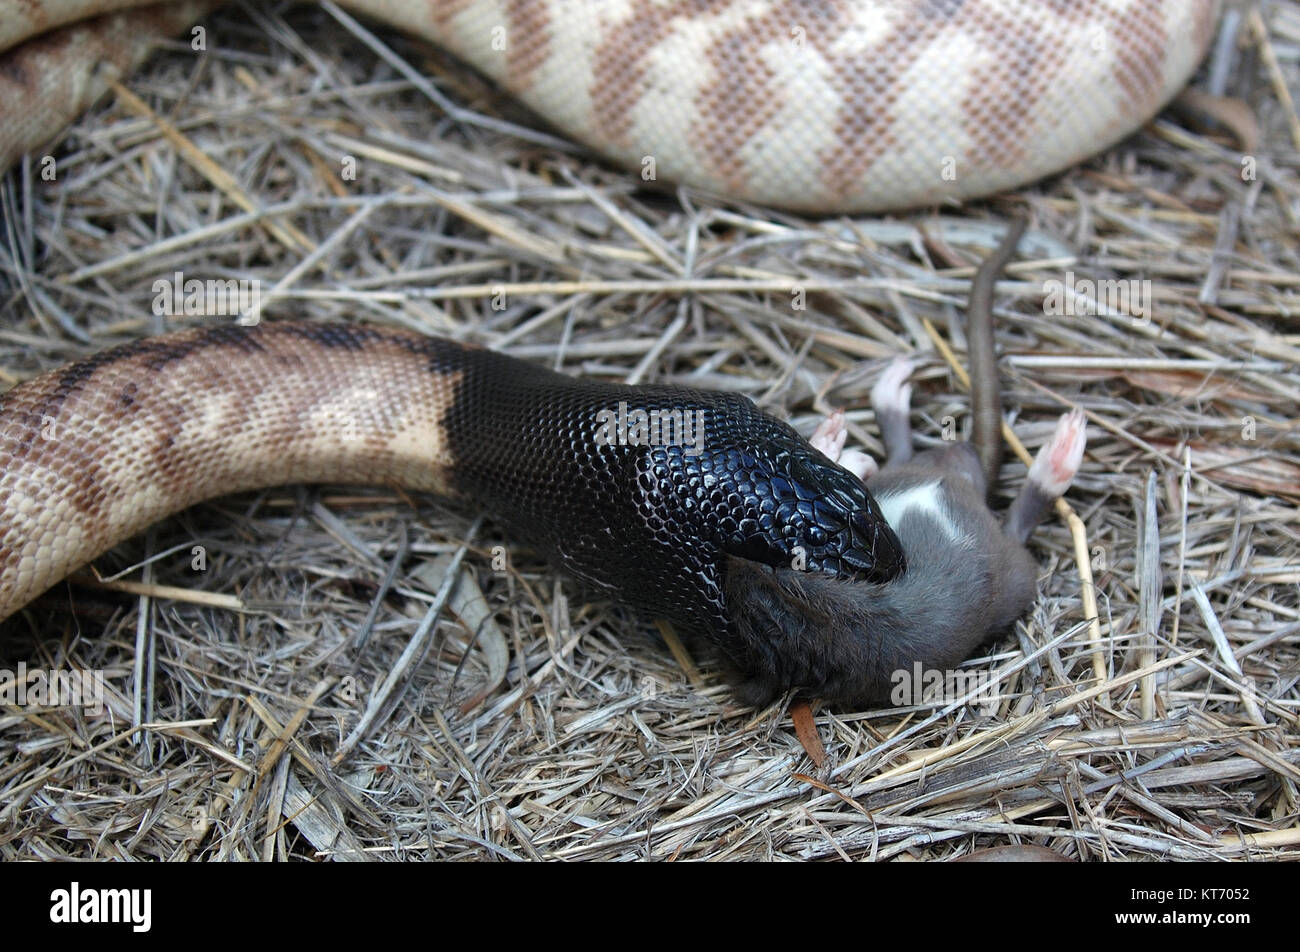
986,392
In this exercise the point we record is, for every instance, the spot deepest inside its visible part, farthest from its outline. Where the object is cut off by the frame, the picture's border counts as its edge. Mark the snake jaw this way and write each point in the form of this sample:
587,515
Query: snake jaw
867,548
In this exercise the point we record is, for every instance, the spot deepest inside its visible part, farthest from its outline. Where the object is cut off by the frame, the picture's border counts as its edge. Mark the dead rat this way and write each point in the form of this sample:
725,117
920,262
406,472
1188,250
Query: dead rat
968,575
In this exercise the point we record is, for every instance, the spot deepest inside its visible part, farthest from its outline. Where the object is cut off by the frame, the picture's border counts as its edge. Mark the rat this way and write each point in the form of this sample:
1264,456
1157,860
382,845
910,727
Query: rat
968,575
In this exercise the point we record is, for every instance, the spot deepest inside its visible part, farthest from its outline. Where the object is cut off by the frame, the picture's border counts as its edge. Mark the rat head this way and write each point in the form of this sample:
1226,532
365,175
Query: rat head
791,629
845,641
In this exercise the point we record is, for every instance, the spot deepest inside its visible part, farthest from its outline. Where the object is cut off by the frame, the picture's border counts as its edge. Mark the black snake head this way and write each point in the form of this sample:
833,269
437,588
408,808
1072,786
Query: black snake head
808,514
752,497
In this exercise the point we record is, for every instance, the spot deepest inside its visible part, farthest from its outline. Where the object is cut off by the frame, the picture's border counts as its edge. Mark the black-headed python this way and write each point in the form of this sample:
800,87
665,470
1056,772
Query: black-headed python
833,107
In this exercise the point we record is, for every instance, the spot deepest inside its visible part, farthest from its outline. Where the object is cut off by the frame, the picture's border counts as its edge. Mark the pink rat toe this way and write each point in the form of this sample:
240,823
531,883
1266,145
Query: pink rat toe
1058,461
859,464
829,436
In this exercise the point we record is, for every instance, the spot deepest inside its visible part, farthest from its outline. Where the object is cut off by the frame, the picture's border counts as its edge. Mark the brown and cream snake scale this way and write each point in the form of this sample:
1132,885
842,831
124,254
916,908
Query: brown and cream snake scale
833,107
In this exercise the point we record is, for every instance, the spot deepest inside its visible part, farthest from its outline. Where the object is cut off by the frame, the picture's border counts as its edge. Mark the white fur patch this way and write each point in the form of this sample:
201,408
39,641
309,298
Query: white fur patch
924,500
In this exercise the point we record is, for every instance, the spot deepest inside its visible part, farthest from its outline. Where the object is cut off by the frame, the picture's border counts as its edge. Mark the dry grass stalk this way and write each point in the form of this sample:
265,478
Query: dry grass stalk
1168,729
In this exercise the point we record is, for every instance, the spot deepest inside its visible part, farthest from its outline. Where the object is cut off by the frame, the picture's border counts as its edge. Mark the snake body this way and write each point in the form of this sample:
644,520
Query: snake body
641,491
834,106
838,106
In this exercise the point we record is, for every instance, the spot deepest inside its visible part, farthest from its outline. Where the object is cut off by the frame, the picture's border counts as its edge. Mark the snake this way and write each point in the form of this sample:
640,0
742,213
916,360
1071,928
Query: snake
641,491
822,106
646,493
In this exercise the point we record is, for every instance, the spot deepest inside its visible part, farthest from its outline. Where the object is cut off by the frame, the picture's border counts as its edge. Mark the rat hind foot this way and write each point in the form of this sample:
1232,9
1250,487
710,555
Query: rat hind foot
1053,470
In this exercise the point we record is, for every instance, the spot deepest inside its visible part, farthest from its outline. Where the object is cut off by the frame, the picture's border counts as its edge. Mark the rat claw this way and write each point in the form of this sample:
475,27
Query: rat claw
829,438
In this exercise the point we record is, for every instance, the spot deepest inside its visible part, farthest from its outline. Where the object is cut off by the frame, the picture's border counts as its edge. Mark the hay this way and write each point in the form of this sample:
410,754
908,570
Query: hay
335,714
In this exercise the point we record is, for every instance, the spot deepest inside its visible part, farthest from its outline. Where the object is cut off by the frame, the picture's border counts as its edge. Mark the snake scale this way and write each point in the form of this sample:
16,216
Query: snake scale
828,107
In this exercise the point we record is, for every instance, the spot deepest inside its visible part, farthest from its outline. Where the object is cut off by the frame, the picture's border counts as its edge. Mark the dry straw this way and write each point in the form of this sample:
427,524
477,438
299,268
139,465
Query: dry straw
316,691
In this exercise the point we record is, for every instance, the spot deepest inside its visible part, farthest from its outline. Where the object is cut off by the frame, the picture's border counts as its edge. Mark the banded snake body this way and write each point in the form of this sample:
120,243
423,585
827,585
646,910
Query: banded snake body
845,106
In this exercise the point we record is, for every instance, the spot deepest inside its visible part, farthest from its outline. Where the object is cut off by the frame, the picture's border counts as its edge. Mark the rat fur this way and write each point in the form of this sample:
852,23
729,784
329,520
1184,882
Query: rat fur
968,576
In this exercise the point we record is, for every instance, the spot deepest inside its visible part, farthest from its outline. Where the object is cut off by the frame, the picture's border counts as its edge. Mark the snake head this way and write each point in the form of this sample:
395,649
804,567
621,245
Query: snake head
799,510
754,489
